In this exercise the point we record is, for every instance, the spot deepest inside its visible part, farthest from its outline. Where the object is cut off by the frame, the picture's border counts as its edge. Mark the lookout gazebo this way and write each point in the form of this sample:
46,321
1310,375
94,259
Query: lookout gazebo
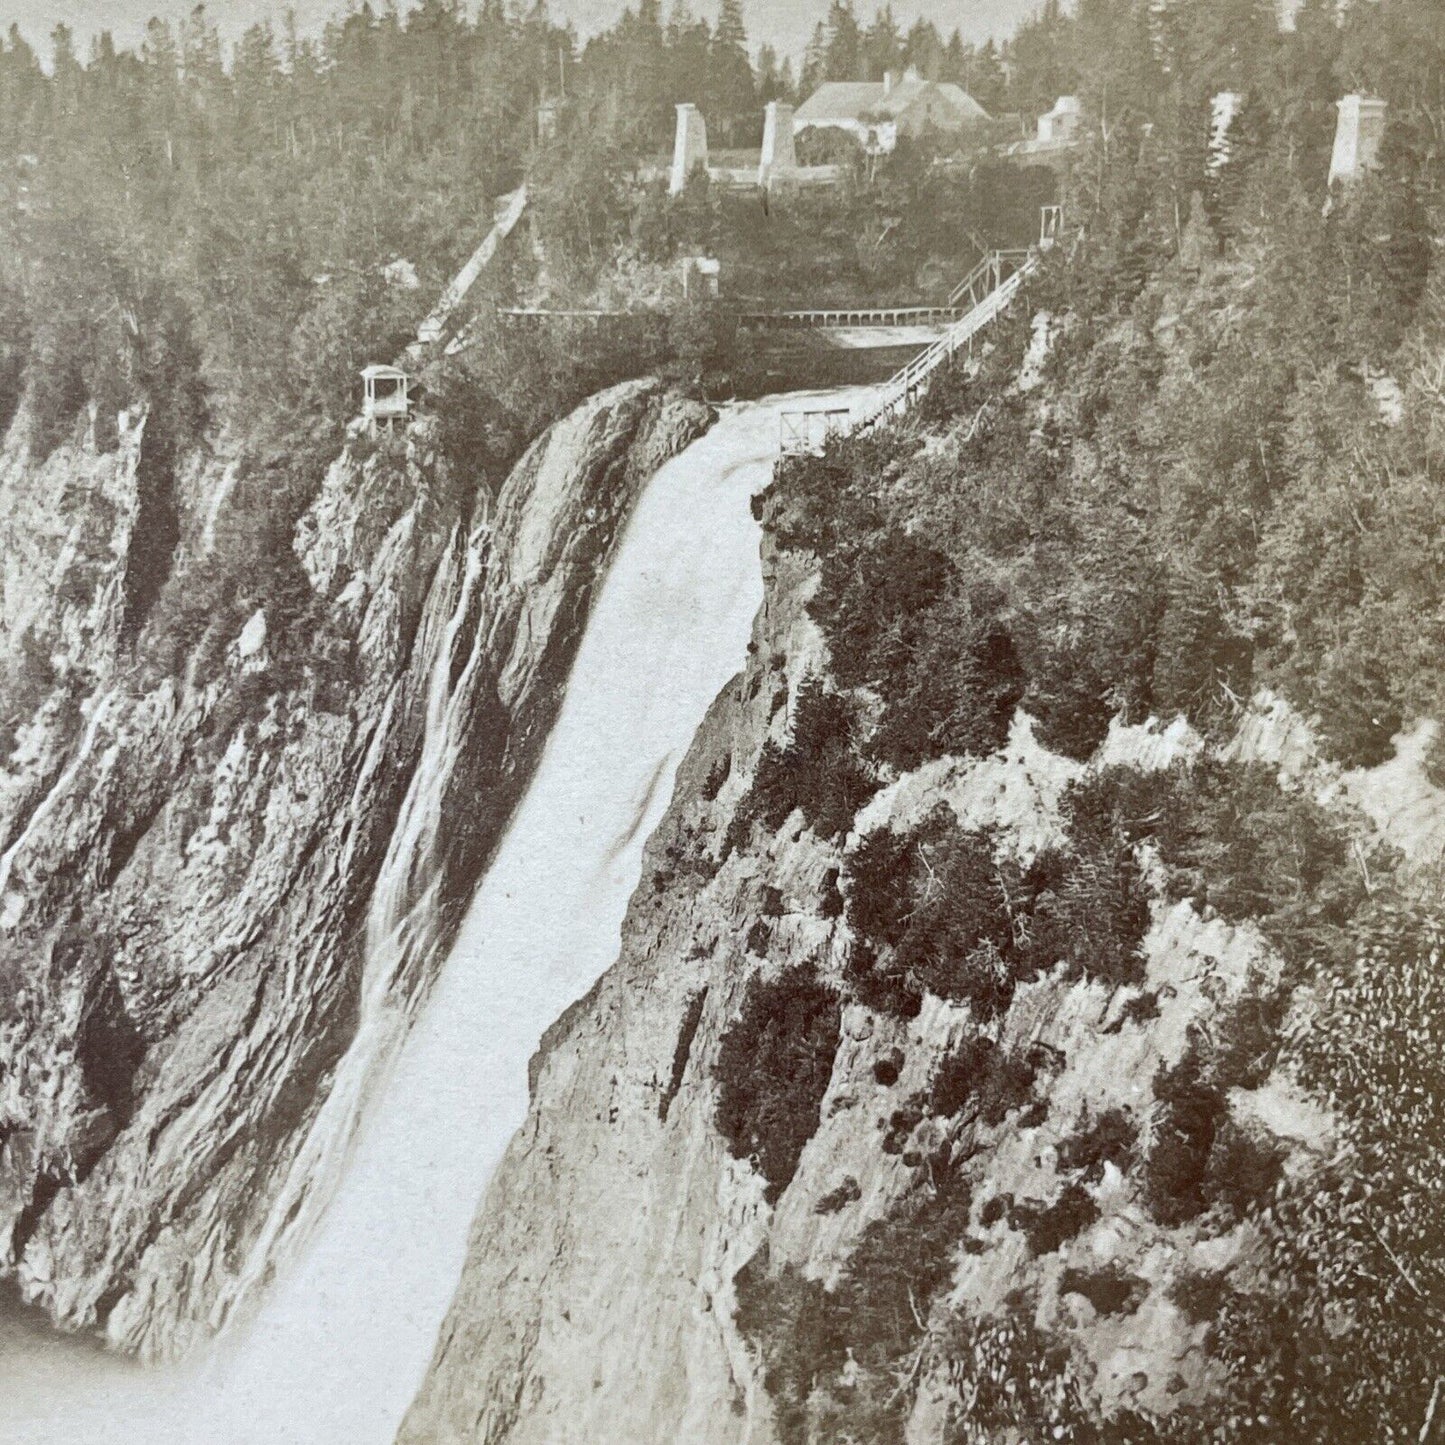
386,397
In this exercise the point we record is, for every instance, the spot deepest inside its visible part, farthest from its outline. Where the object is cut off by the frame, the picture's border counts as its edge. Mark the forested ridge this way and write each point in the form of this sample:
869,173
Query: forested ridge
1198,471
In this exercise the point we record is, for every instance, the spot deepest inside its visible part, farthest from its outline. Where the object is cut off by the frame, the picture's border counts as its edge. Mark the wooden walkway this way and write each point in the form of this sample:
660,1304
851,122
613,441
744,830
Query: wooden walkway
803,320
994,282
856,316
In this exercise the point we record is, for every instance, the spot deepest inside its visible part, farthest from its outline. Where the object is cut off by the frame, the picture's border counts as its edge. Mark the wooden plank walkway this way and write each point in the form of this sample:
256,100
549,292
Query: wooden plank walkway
855,316
1003,273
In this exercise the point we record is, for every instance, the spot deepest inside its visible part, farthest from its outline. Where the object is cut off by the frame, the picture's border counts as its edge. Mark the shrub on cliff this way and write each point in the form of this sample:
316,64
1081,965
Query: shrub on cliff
1051,1226
1088,909
1109,1139
1232,838
934,910
899,620
875,1318
817,770
939,910
773,1068
979,1073
958,693
790,1321
1190,1110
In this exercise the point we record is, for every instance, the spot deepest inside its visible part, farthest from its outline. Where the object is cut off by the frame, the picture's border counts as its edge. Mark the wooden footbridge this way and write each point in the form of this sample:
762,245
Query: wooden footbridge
987,289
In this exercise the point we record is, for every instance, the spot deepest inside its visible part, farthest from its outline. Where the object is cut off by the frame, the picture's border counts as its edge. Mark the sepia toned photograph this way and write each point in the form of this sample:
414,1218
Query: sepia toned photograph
722,722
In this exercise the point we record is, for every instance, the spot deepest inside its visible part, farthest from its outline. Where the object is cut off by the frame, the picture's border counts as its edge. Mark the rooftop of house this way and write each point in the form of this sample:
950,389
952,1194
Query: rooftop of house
843,100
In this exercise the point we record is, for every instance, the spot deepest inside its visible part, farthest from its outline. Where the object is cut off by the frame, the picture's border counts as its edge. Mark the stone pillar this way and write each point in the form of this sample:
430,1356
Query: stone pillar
689,150
1358,133
779,153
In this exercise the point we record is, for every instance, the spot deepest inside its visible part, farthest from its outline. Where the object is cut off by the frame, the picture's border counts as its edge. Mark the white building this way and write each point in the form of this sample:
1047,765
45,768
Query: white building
877,113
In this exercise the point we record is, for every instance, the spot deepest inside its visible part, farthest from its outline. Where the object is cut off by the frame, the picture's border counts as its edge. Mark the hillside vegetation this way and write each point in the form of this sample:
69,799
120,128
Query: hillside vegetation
1200,467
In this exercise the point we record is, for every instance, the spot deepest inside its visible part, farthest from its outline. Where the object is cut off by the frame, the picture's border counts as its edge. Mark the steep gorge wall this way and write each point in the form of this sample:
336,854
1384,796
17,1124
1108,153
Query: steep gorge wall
600,1298
223,887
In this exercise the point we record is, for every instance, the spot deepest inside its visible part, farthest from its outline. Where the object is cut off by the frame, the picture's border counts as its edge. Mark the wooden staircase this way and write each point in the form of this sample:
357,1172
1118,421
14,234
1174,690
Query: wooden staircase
992,284
986,291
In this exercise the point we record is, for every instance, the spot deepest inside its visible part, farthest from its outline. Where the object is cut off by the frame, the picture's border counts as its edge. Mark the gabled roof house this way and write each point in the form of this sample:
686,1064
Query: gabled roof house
878,112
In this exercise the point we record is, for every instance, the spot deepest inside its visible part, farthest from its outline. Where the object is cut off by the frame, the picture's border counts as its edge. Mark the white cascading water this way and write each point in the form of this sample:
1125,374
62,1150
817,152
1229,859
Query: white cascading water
341,1340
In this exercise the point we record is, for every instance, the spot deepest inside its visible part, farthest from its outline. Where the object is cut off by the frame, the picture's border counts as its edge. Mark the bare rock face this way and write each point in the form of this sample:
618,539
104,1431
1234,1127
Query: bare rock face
213,876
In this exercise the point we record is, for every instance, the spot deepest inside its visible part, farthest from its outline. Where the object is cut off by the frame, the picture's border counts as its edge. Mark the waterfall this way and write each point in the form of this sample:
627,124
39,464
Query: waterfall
401,926
344,1332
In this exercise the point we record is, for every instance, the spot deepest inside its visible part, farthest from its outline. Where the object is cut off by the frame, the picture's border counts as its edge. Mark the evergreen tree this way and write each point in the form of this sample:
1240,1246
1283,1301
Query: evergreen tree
883,46
815,61
923,50
732,101
843,56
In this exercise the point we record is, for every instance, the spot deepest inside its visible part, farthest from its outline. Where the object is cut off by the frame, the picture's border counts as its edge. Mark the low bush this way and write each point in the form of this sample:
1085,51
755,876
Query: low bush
773,1068
1188,1115
1111,1291
1051,1226
845,1193
935,910
1091,911
887,1069
1201,1295
899,619
1245,1168
1231,838
903,1121
1110,1139
875,1316
934,913
1071,703
798,1333
817,771
978,1071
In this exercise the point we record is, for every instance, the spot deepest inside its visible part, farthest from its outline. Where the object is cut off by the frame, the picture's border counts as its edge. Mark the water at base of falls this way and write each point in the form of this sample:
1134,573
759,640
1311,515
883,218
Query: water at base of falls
339,1344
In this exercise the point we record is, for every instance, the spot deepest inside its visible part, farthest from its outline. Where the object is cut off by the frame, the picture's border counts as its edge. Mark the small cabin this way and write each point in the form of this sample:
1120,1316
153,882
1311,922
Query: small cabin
1061,125
386,397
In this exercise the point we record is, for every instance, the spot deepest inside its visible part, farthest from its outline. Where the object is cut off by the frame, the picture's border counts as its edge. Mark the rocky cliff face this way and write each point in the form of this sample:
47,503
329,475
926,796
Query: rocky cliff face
597,1300
222,886
601,1297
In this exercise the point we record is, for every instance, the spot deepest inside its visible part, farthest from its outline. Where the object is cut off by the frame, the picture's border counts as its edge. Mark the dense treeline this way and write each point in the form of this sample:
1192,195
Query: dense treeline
185,203
221,238
1237,480
1223,476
